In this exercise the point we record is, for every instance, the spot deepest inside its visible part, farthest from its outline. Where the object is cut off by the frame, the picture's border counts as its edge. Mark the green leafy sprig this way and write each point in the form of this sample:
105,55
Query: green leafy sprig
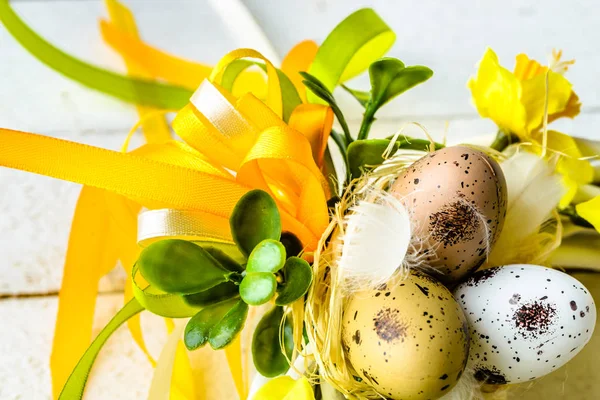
389,78
224,288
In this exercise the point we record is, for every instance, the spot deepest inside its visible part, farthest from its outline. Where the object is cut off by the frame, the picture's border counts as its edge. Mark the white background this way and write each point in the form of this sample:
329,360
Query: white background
35,212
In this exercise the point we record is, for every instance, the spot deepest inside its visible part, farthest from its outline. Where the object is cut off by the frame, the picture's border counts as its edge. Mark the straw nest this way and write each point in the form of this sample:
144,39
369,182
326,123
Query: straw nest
324,358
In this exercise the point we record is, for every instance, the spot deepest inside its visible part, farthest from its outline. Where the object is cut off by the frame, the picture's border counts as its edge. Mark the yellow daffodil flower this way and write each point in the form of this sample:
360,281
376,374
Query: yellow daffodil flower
285,388
515,101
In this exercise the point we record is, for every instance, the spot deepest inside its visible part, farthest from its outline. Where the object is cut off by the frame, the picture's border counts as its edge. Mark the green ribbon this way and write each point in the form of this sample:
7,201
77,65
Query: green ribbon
289,95
350,48
75,385
138,91
151,299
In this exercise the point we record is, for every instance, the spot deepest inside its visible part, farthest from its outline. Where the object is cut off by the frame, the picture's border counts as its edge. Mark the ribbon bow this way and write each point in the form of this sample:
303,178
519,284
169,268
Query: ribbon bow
186,188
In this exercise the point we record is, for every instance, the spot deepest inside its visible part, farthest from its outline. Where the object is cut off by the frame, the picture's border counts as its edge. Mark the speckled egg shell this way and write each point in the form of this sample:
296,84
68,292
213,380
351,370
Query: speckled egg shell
525,321
457,199
409,339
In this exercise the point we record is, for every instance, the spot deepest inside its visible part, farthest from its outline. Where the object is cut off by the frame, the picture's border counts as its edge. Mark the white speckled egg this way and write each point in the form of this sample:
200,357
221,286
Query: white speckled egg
408,339
457,200
525,321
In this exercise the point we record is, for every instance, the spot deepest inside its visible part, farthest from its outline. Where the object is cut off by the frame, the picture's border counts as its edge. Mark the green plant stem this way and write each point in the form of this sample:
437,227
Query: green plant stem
368,119
236,277
339,141
330,173
344,125
503,140
575,218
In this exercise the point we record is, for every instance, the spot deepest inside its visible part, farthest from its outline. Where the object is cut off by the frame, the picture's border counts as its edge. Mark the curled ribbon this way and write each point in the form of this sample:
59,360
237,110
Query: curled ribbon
186,189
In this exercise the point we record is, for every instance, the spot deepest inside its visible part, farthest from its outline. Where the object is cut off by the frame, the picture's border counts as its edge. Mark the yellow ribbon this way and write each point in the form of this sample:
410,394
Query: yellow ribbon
155,129
299,59
93,251
285,388
189,187
89,256
173,69
267,153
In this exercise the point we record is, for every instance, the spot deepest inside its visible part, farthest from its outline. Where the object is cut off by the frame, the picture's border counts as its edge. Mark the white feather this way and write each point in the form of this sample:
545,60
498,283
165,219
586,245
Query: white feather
376,238
534,191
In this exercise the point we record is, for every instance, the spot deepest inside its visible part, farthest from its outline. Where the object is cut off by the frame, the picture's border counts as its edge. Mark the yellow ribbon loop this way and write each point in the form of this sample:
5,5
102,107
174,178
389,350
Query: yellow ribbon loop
314,121
175,70
231,145
273,89
187,225
299,59
264,152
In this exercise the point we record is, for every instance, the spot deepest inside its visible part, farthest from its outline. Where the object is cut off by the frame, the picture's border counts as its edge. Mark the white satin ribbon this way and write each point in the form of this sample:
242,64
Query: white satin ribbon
162,224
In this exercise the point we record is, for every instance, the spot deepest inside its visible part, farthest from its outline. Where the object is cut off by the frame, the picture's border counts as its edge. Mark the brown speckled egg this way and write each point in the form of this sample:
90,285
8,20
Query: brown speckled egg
408,339
457,200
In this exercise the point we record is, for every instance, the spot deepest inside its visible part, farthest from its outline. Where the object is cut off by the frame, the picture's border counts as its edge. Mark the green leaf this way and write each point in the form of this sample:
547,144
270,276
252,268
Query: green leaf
298,277
227,328
179,266
365,153
75,385
230,249
217,294
168,305
267,256
258,288
268,358
198,327
320,90
224,259
293,245
254,219
218,325
405,142
390,78
361,96
138,91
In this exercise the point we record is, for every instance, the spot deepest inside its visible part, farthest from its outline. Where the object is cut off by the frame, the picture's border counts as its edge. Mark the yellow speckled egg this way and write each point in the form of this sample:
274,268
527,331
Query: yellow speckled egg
457,200
408,339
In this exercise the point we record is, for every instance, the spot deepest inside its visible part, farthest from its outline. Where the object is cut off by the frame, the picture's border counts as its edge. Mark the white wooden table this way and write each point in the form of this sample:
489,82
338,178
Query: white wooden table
35,212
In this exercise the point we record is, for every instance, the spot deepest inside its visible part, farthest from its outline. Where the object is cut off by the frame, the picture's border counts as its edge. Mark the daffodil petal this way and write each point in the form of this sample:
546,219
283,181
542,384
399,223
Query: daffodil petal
570,163
574,170
568,197
571,110
496,93
534,97
590,211
526,68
